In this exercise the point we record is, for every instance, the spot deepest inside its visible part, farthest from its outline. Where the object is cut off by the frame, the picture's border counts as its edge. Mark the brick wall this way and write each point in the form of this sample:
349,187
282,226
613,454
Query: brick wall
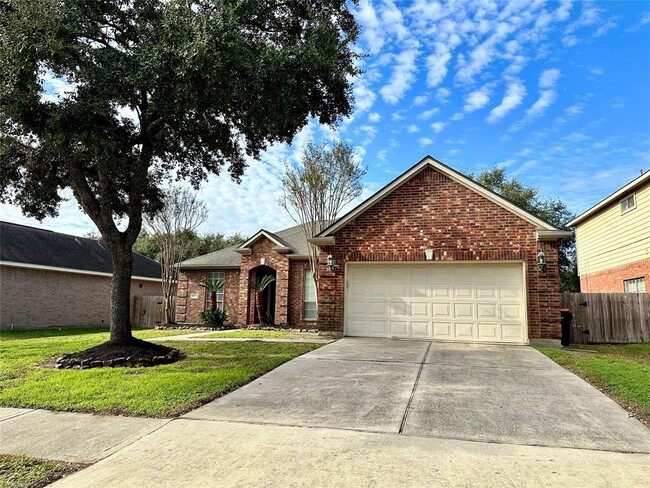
296,289
37,298
433,211
188,308
263,249
611,280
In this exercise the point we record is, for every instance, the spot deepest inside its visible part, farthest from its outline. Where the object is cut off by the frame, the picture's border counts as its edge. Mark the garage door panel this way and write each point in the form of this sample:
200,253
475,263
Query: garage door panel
463,290
419,290
456,301
486,311
398,309
420,328
399,328
487,331
442,330
398,289
464,330
441,310
359,308
463,310
378,290
377,309
419,309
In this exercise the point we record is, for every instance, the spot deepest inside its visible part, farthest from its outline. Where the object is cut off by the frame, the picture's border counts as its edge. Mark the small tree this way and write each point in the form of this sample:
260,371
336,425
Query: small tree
212,287
316,190
258,286
181,213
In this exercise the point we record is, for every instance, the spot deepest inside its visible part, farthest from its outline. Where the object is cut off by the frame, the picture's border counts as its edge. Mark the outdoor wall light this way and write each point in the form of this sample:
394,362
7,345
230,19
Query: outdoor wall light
541,260
330,262
428,253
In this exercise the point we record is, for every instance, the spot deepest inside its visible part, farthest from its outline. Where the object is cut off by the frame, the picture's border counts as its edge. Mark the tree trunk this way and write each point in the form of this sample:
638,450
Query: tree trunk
121,295
259,304
213,300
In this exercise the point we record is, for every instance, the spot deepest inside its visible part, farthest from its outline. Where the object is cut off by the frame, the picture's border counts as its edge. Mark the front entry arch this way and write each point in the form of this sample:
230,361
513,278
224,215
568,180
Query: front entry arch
261,309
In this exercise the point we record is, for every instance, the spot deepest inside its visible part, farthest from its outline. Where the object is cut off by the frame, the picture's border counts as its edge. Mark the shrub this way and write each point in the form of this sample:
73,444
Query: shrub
215,318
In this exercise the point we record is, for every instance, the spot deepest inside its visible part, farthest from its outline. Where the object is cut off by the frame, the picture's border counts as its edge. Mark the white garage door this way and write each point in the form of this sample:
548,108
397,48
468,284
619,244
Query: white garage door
456,302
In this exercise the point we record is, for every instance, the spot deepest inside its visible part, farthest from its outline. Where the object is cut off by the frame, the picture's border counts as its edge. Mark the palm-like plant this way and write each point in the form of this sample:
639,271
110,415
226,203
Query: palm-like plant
258,286
212,286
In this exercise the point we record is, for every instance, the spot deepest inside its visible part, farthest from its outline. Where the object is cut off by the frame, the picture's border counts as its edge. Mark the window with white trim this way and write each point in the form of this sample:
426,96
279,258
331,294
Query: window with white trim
628,203
309,303
635,285
215,275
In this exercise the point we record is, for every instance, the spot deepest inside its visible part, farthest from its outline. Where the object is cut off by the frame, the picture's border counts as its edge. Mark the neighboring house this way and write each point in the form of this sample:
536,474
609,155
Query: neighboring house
431,255
613,241
48,279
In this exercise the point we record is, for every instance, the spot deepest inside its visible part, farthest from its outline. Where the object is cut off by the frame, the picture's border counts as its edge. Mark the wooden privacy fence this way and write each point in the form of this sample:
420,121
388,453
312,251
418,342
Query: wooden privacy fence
608,317
149,311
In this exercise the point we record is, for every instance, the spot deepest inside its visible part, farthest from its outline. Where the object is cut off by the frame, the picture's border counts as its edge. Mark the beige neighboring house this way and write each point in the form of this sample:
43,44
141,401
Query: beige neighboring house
48,279
613,241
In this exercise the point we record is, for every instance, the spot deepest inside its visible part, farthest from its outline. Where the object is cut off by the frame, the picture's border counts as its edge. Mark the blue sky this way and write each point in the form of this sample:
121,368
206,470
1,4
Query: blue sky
557,92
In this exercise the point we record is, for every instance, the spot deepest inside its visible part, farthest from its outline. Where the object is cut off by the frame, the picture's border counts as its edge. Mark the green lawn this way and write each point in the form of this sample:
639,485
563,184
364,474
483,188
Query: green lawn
621,371
262,334
24,472
210,370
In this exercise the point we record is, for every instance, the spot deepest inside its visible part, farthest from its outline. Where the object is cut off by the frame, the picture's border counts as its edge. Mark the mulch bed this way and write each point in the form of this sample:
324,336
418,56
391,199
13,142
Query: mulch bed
137,353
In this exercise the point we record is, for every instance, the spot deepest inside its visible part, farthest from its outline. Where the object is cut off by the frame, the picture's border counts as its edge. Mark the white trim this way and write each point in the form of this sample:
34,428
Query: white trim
261,233
644,178
13,264
553,235
428,161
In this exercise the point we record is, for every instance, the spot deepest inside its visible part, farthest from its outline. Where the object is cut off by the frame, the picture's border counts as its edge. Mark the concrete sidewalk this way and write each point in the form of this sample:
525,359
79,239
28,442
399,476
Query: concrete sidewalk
195,453
71,437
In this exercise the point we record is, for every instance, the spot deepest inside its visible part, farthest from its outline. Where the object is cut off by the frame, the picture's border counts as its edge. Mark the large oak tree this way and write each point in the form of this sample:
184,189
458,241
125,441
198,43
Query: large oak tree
157,89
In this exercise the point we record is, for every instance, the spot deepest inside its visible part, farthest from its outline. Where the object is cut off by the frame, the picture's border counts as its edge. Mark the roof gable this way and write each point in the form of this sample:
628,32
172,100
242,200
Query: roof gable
454,175
279,245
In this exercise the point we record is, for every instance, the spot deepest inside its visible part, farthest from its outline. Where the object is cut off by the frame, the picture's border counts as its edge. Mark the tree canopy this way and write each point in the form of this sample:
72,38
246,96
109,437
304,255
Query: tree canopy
552,210
195,244
153,90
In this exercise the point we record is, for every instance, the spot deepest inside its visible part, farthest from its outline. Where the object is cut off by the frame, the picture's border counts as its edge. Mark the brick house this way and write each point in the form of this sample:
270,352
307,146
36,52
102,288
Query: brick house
49,279
613,241
433,254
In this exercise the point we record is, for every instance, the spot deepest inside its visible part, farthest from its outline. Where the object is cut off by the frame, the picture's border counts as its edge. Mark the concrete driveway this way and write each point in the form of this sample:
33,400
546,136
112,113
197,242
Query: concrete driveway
499,394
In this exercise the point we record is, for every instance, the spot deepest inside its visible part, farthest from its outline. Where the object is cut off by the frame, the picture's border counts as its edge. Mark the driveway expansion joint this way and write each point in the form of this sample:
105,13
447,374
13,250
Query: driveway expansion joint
415,386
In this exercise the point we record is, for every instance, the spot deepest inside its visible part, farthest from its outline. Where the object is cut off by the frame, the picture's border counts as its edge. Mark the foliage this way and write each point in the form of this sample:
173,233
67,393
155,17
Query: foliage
210,370
257,286
154,90
552,210
25,472
316,190
212,287
195,244
216,317
181,212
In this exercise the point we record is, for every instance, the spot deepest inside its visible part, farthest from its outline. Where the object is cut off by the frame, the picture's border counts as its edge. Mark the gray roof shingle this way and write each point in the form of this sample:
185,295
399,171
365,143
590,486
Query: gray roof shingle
293,237
30,245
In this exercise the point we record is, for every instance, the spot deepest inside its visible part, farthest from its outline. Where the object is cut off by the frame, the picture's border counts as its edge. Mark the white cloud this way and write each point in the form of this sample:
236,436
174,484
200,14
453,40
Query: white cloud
427,114
574,110
549,78
402,78
515,94
425,141
476,100
371,31
545,100
420,100
396,116
442,95
412,129
374,117
437,65
438,126
458,116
